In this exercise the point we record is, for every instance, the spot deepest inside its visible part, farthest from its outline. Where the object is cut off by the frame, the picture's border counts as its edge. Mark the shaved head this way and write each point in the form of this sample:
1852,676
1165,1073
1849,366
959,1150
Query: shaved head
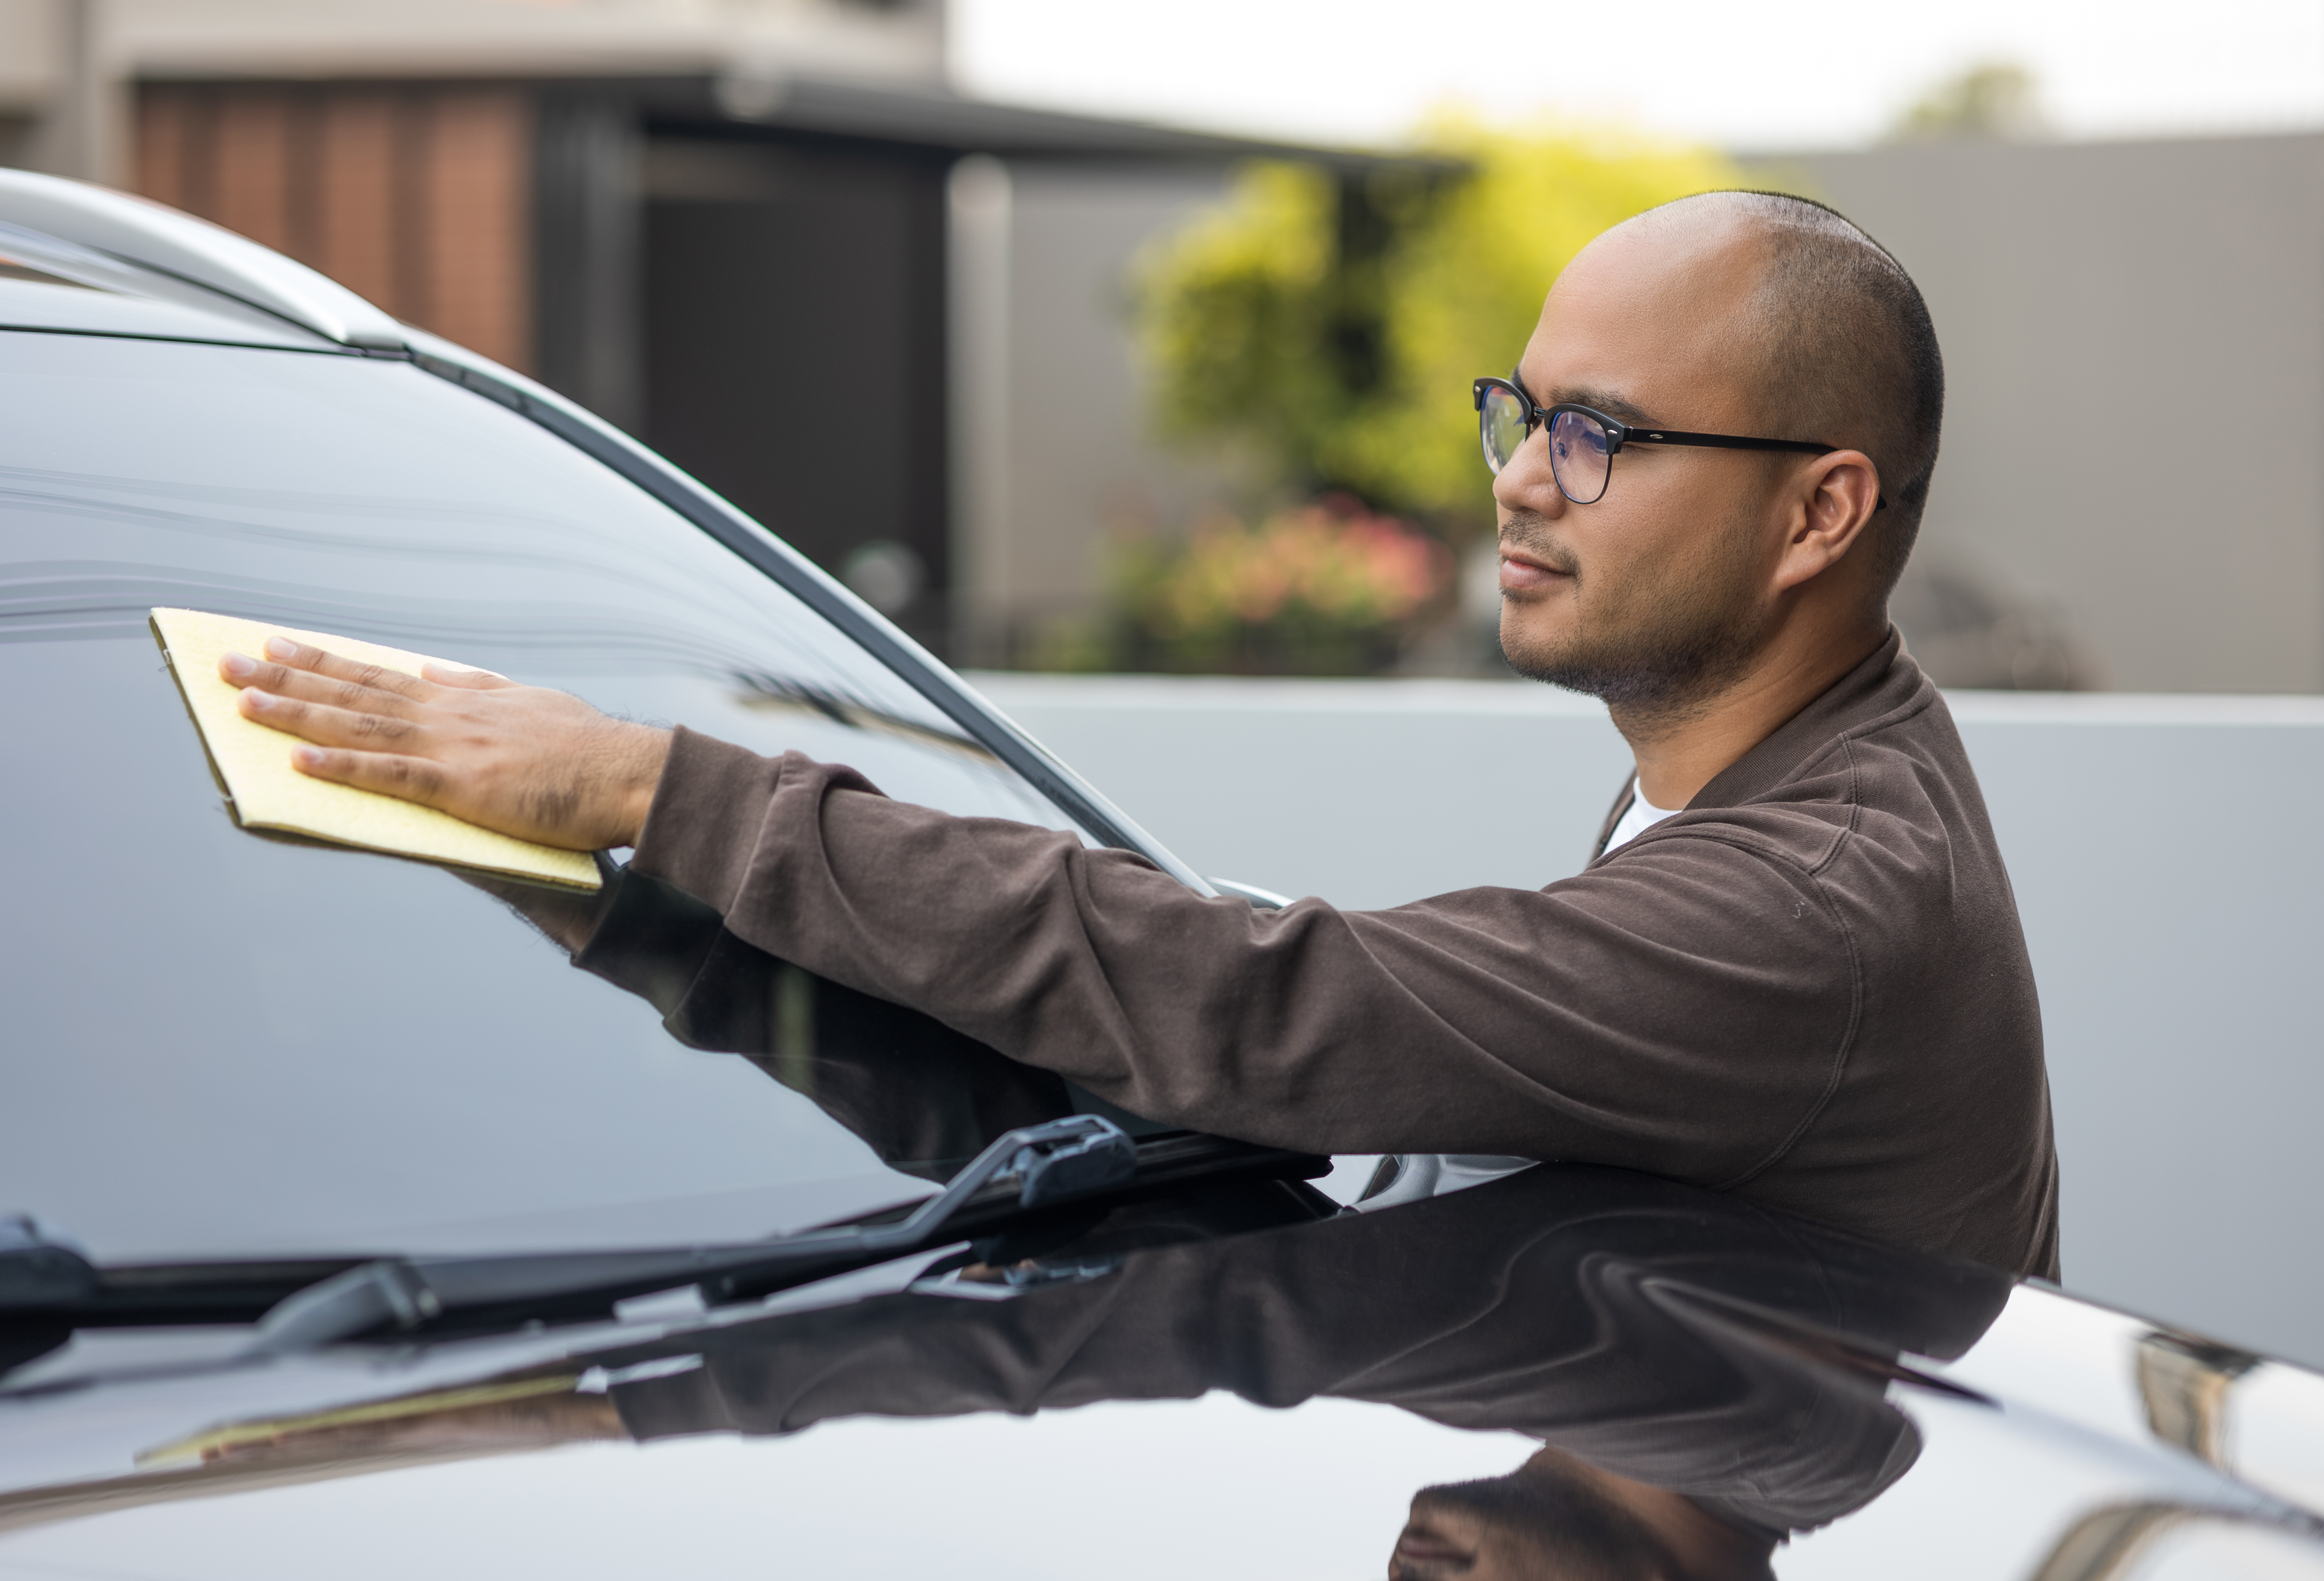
1839,346
1695,567
1707,589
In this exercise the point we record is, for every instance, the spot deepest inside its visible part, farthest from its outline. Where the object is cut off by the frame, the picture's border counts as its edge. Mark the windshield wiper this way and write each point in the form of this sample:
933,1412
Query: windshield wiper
1045,1164
1026,1175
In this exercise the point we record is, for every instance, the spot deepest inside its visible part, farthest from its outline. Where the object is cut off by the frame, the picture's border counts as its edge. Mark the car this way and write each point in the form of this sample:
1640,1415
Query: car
348,1228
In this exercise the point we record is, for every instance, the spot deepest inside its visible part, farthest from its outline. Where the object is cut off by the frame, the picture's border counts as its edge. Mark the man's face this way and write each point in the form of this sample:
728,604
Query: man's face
1660,590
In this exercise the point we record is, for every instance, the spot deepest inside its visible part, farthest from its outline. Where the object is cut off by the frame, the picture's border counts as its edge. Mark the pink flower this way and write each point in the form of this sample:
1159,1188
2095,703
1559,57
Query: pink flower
1331,559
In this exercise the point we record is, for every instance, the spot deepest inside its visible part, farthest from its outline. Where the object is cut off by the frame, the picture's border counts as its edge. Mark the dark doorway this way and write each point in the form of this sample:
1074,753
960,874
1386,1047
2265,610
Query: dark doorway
794,350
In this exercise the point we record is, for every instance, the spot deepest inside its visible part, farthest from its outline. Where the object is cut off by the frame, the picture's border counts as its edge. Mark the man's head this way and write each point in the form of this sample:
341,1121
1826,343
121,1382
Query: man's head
1737,314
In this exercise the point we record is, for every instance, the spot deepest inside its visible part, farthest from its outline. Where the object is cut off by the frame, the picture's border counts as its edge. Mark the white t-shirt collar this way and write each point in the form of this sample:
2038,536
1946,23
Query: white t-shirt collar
1639,817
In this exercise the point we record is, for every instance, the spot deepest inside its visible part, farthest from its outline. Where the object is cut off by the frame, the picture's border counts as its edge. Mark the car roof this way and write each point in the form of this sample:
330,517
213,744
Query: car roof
141,268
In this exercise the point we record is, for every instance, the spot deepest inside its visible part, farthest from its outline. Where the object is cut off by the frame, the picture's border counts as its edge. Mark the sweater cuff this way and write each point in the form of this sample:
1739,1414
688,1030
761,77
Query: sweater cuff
706,813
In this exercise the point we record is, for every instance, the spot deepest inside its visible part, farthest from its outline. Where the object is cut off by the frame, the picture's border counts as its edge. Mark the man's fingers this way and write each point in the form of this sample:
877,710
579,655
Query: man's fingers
324,723
407,779
308,686
324,662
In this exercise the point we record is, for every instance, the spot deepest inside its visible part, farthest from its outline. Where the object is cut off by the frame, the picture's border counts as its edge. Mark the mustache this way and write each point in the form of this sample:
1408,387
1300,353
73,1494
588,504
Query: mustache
1529,531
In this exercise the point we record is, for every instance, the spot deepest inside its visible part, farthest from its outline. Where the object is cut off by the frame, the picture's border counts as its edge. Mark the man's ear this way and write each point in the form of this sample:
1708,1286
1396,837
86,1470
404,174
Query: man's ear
1835,497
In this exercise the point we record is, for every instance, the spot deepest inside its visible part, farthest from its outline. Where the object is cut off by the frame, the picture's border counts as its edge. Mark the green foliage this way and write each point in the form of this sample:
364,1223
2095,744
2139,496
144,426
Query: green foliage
1996,102
1350,367
1327,588
1236,310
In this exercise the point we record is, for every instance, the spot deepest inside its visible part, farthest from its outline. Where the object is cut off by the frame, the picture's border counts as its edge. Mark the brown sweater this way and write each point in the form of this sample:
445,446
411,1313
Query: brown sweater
1809,988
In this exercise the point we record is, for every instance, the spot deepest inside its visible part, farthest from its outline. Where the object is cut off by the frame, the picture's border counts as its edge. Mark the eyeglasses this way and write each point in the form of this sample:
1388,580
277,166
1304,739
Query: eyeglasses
1583,443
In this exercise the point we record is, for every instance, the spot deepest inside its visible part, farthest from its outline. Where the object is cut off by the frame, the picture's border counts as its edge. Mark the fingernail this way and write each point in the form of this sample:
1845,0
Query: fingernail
307,757
256,698
282,648
235,665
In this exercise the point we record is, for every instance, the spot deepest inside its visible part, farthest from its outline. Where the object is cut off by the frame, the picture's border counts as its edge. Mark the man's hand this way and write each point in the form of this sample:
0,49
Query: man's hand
542,765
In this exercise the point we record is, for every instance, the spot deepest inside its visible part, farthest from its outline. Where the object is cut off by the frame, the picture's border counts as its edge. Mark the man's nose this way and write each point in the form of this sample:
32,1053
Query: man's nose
1526,482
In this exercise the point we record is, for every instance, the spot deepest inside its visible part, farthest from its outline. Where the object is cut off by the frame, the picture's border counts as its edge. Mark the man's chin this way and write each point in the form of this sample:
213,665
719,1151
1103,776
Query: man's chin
1661,673
1556,661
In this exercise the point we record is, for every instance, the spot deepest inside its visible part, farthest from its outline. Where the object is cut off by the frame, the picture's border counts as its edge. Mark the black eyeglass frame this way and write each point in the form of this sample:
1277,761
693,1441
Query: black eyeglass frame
1619,433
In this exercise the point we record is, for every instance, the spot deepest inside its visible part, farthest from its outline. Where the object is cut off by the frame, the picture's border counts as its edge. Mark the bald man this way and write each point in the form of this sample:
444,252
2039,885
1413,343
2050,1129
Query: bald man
1793,968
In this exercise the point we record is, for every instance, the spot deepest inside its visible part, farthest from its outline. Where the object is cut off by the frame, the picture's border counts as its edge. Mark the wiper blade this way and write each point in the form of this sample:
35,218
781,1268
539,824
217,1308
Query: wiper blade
303,1304
46,1280
1045,1164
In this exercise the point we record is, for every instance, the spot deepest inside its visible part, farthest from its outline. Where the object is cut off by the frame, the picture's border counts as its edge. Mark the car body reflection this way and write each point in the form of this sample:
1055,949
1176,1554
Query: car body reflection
1674,1382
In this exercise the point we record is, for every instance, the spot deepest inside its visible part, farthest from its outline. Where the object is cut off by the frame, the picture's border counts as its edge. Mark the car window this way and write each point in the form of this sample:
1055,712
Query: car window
221,1044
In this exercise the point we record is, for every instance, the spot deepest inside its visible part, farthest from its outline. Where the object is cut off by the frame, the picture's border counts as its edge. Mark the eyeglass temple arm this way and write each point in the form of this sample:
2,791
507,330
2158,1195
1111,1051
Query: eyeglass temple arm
1734,442
1646,436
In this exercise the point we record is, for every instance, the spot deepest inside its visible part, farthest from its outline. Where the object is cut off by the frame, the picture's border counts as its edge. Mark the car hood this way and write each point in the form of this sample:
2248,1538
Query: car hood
1260,1402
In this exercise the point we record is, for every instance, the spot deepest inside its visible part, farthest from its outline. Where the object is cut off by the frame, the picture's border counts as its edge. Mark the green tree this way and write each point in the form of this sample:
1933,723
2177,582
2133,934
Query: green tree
1335,326
1996,102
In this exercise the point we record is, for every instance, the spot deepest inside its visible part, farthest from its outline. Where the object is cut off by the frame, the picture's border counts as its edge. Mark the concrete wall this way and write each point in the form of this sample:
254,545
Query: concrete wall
2168,868
1051,444
2133,336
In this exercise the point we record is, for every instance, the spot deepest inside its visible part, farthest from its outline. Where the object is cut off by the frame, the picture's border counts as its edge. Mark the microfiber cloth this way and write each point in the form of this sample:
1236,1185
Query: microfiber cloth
265,792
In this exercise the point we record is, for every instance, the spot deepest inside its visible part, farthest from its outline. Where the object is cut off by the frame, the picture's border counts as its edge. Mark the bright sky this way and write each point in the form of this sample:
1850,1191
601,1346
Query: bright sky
1778,74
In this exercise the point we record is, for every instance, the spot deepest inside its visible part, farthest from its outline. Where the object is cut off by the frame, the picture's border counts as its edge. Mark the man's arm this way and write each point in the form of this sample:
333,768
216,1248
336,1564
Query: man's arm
1579,1023
1685,1010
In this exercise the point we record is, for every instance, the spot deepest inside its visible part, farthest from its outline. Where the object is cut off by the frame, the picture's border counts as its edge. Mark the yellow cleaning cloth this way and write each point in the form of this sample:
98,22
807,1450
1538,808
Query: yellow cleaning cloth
267,793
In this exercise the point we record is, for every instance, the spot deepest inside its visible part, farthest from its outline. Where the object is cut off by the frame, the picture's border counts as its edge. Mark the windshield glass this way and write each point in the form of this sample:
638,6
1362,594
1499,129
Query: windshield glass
218,1044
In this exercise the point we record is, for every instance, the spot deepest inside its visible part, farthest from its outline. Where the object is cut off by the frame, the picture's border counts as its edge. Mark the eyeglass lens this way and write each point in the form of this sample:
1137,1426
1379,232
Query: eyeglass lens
1578,450
1503,419
1579,457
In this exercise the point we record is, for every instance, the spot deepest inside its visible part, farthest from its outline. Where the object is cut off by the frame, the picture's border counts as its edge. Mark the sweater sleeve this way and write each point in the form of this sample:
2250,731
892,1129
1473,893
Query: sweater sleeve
1684,1009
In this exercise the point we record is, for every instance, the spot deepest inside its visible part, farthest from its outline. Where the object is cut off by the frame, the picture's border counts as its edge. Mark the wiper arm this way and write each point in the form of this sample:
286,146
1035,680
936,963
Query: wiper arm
1048,1163
300,1305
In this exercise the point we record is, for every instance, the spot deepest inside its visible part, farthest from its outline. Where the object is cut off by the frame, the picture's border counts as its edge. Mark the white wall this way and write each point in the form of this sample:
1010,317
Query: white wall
2169,867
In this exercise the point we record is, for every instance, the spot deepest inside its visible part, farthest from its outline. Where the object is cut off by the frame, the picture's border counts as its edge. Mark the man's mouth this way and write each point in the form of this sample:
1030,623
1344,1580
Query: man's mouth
1526,573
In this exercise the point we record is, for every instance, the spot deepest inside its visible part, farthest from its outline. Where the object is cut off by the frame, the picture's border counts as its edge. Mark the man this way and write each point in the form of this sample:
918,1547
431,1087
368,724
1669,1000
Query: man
1807,985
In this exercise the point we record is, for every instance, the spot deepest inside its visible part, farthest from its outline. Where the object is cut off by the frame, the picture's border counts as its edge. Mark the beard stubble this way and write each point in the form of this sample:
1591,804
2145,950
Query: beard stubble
1659,647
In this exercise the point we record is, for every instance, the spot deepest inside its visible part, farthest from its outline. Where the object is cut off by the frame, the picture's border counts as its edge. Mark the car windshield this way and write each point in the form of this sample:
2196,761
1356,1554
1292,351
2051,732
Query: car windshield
219,1044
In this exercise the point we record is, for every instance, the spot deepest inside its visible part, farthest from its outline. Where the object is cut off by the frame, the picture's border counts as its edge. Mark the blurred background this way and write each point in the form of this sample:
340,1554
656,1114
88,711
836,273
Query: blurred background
1086,337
